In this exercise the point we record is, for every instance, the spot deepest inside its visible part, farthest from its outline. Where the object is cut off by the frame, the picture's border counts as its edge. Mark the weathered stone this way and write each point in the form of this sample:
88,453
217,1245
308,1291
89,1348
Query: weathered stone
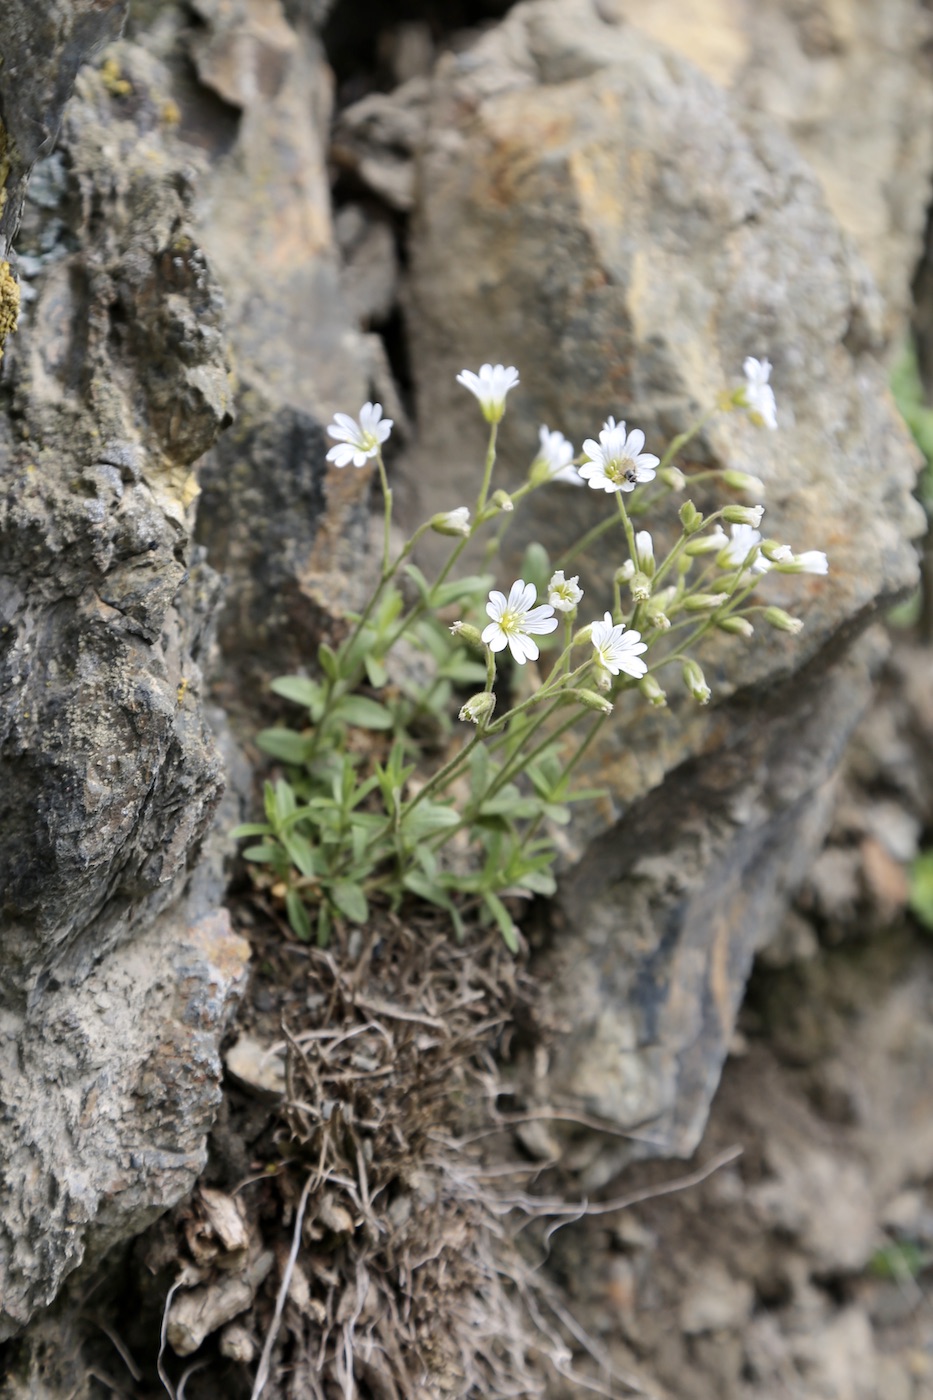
108,1090
111,1006
595,211
850,83
43,46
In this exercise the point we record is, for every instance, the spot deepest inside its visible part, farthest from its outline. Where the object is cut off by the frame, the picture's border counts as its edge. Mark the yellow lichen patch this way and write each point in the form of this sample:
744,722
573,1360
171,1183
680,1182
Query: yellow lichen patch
9,303
113,81
175,487
171,112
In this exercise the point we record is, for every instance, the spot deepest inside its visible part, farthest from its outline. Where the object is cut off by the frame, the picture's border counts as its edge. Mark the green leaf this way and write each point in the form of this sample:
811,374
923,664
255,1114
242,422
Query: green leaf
503,918
328,659
300,853
376,673
462,671
460,589
536,567
265,854
301,690
420,582
427,889
364,713
428,817
250,829
284,744
537,881
298,916
323,926
350,900
509,802
921,889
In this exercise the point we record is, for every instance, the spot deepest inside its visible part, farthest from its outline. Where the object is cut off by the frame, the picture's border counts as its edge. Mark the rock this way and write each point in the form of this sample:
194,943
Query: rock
42,53
114,994
840,1359
109,1089
597,212
850,83
825,1203
716,1302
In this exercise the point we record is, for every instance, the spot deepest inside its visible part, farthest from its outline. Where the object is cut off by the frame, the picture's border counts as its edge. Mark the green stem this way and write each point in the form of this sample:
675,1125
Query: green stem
387,524
490,463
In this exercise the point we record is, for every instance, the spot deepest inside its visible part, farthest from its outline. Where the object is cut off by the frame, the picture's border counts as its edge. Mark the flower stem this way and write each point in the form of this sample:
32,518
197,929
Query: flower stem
490,463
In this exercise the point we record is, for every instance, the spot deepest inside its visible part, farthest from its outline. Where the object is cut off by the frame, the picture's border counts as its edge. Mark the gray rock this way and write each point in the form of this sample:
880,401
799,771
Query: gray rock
595,211
112,1002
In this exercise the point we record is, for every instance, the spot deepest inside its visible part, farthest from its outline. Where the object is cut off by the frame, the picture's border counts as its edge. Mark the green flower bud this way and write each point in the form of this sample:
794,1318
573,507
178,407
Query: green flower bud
471,635
502,500
640,587
744,515
703,602
652,691
592,701
452,522
585,634
673,477
744,481
737,626
478,709
783,621
690,518
695,681
707,544
625,573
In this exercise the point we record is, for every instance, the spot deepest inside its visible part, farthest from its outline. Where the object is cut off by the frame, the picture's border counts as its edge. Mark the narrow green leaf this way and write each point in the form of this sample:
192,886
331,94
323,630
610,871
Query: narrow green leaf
473,585
284,744
328,659
503,918
250,829
350,900
427,889
300,853
921,889
375,671
299,689
428,817
298,916
364,713
419,580
265,854
323,926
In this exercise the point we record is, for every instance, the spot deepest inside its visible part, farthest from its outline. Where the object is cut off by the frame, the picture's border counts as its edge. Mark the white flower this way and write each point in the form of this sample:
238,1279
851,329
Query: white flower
616,649
554,461
812,561
744,540
616,462
358,441
513,618
452,522
564,593
490,386
757,394
644,552
708,544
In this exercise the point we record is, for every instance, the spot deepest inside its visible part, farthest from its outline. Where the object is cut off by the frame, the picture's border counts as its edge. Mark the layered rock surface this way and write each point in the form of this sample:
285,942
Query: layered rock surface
595,211
113,1002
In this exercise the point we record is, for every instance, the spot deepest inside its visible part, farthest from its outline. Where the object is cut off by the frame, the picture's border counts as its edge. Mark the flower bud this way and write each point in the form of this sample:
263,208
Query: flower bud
585,634
640,587
502,500
695,682
703,602
690,518
452,522
626,572
783,621
744,515
478,709
644,552
592,701
708,544
776,553
471,635
673,477
737,626
744,481
812,561
652,691
603,678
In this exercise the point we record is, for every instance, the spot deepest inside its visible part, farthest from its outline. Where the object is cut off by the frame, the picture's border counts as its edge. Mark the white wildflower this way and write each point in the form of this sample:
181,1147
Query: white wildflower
617,649
756,393
744,541
514,618
812,561
616,462
490,386
554,461
357,442
564,593
644,552
452,522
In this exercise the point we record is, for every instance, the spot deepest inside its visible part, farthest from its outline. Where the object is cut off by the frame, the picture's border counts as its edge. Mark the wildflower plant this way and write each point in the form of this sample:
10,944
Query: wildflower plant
381,795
